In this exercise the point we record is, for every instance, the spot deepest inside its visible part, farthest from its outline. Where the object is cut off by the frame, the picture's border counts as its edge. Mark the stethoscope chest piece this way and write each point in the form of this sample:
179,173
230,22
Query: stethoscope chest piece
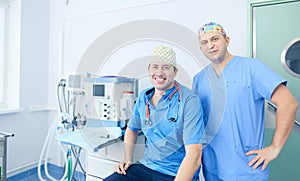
148,122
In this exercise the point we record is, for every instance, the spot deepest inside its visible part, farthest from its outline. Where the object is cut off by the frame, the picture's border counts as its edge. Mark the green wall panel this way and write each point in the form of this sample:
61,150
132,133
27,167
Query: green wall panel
276,25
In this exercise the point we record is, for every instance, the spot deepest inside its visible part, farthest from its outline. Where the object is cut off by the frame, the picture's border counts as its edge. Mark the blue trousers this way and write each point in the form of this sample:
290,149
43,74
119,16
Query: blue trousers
138,172
212,177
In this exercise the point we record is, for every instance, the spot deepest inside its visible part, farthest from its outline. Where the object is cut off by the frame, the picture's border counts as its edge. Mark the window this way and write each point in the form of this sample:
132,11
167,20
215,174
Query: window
9,55
2,46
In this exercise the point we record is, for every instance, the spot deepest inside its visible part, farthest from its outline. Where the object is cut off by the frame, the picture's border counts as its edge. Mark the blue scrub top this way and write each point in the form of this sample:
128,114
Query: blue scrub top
233,108
165,139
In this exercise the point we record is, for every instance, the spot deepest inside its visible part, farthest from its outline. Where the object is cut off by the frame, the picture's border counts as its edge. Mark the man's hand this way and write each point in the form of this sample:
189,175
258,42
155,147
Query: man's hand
122,167
263,156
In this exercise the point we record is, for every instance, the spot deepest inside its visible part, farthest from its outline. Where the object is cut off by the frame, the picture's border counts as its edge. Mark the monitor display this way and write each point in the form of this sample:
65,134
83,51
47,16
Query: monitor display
98,90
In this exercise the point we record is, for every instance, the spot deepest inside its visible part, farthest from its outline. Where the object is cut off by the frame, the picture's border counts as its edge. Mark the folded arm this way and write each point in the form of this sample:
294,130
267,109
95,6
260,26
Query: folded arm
285,117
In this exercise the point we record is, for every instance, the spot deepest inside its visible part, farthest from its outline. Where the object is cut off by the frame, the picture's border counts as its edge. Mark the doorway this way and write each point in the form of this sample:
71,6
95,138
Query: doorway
274,25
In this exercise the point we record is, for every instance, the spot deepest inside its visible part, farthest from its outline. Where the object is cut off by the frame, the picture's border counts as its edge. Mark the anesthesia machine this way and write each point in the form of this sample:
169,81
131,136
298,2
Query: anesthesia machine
93,114
110,98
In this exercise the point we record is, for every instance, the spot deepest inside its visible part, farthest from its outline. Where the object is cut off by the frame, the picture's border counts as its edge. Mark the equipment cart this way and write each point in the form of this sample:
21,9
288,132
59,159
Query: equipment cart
3,154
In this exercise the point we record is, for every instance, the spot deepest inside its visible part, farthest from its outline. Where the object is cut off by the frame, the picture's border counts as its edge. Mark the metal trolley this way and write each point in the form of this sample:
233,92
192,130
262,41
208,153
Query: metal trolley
3,154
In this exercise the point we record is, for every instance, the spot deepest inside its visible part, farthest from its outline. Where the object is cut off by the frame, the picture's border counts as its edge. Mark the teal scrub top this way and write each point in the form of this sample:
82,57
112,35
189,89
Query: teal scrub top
174,124
233,111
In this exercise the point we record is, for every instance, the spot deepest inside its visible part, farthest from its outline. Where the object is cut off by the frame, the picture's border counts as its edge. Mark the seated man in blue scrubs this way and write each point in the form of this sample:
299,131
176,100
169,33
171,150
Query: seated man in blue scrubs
170,116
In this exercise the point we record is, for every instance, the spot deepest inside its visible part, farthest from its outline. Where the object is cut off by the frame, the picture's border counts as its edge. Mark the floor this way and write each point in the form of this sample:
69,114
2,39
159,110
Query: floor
54,171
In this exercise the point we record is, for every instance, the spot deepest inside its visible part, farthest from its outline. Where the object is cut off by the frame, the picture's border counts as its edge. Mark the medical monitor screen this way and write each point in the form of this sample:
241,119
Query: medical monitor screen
98,90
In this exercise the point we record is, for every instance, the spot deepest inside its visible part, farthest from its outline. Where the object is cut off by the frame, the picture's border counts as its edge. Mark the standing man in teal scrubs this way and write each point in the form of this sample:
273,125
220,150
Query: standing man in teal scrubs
232,90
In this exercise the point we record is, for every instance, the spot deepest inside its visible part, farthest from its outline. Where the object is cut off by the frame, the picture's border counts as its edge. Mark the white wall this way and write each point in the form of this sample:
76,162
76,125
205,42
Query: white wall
51,48
78,28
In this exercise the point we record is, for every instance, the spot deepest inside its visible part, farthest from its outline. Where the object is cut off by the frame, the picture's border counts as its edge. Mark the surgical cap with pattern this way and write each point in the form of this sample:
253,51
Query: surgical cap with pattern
164,53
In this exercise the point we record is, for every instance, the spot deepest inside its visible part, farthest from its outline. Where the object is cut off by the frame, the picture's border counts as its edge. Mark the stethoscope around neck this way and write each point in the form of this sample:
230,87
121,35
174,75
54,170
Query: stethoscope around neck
177,89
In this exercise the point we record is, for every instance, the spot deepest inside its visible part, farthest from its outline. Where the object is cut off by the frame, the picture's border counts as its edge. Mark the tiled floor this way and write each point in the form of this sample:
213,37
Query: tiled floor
54,171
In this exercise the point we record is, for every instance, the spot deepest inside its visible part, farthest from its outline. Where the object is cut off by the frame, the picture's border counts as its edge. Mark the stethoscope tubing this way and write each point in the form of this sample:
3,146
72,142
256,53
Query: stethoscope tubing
177,89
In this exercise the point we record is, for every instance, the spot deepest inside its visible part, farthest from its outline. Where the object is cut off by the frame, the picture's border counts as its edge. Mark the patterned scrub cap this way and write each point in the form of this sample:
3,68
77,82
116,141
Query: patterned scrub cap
212,26
164,53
